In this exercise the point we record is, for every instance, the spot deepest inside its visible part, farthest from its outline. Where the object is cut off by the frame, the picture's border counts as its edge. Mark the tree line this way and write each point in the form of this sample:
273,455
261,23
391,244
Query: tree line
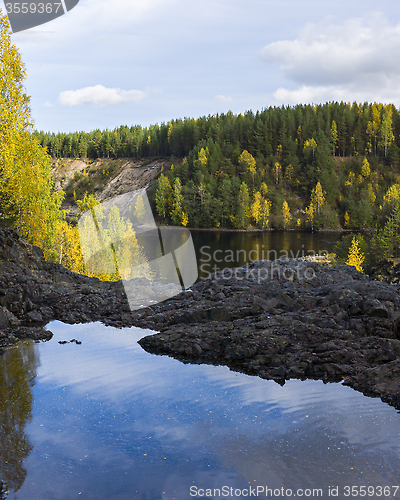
261,169
350,129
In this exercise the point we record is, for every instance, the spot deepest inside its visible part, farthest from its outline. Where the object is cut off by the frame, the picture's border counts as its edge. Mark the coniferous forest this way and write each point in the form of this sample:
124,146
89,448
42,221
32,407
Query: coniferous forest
329,166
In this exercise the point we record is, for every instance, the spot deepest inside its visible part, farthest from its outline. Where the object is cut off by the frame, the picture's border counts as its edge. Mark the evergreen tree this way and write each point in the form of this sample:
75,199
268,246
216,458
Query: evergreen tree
243,205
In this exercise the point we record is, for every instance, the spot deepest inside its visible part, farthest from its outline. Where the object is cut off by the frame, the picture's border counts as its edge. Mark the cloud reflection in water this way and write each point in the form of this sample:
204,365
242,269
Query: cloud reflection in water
110,419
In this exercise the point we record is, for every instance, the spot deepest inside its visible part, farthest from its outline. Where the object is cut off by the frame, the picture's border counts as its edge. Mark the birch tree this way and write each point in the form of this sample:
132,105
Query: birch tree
26,197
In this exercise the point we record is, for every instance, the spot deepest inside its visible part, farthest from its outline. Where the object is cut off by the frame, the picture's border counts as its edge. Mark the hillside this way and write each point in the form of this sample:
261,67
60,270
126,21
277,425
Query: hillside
331,166
326,166
103,177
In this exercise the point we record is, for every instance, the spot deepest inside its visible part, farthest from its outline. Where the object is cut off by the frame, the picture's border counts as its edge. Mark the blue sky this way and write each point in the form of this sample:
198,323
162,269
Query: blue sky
126,62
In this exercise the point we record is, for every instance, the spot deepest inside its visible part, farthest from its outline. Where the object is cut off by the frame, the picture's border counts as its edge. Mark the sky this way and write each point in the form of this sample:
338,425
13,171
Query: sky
108,63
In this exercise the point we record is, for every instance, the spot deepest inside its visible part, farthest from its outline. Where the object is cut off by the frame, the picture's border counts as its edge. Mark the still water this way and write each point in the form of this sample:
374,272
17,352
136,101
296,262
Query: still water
217,250
105,420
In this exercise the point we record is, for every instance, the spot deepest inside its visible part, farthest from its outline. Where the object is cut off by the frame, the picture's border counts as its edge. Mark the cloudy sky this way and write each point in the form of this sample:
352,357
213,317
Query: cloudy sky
108,63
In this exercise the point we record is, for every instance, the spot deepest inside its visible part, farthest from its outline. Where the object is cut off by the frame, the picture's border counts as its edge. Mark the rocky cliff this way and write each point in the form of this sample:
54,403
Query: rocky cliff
104,177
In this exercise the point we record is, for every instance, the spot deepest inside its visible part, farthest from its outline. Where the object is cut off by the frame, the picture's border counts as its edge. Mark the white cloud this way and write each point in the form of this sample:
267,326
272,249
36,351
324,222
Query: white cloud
357,60
348,93
47,104
223,98
99,96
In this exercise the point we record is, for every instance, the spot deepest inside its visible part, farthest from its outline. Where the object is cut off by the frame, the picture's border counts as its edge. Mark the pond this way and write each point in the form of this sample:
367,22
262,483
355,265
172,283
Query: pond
100,418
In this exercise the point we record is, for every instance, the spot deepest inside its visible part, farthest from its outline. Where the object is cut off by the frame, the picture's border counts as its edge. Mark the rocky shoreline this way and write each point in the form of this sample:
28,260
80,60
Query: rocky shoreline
288,319
284,319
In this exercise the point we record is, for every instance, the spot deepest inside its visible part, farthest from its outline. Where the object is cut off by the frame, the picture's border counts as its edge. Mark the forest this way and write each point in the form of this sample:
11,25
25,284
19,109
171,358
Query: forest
328,166
310,167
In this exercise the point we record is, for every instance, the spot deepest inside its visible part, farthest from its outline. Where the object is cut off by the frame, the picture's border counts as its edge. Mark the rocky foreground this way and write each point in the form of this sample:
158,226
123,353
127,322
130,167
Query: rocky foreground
279,320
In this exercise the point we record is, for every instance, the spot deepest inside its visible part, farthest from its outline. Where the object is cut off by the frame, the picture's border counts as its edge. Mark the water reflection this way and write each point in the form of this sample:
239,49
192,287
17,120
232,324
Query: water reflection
112,421
221,249
18,367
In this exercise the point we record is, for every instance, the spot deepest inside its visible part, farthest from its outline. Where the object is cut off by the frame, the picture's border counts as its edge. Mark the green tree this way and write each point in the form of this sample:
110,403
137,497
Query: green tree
243,205
26,197
226,202
163,196
177,214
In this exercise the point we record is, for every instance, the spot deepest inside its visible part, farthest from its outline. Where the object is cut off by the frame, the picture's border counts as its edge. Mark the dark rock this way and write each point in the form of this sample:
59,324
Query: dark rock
34,316
289,318
4,322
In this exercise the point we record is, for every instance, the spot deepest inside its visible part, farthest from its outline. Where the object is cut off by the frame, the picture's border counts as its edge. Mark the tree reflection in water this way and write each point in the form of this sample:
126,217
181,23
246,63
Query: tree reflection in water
18,367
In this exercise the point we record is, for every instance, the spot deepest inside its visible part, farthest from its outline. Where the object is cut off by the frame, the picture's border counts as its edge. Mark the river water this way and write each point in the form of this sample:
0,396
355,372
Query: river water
102,419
